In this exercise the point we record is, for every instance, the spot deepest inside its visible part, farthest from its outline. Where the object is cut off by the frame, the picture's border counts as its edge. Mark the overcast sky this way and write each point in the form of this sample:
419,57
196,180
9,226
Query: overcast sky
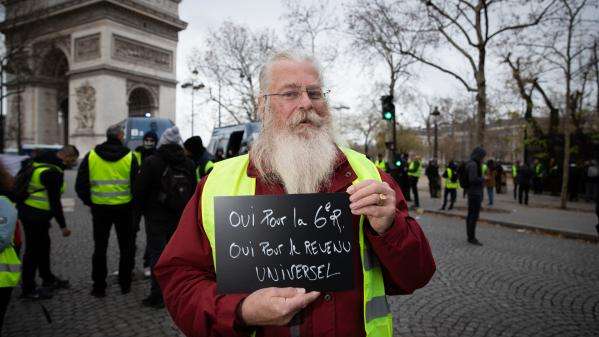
347,84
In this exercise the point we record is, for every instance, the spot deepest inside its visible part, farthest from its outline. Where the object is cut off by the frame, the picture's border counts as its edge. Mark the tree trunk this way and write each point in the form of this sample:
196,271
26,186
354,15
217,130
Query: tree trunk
566,165
481,100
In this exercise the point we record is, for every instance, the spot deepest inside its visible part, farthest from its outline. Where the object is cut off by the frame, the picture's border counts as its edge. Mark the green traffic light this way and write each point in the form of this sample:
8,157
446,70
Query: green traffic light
398,163
388,115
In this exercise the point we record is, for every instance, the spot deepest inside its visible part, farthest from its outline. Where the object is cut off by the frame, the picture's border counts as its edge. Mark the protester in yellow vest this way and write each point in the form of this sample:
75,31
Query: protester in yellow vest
41,204
451,184
295,153
515,167
104,183
381,163
194,149
414,173
10,265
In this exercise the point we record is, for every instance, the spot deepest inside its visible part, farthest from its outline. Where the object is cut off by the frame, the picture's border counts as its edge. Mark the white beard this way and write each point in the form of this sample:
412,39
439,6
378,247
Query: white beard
301,157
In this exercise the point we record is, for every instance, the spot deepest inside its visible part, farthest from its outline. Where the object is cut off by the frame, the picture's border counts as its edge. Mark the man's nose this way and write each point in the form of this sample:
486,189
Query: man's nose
305,102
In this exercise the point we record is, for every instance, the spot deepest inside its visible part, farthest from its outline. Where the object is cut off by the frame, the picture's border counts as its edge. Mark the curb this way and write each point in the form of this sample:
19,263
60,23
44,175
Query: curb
565,234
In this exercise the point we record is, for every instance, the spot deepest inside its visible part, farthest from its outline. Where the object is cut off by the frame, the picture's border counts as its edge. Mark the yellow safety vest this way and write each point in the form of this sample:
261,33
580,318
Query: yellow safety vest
137,155
38,195
229,178
110,181
450,184
10,265
418,172
382,165
207,168
514,171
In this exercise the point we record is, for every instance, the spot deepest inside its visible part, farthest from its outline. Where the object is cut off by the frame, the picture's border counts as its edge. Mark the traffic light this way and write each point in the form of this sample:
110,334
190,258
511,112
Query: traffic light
388,108
397,160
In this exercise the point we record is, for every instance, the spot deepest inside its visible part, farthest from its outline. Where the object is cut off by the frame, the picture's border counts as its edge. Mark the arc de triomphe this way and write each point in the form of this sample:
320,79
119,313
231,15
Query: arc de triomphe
82,65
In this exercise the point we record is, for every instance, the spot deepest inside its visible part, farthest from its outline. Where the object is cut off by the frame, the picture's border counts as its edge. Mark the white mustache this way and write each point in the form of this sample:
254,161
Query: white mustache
303,116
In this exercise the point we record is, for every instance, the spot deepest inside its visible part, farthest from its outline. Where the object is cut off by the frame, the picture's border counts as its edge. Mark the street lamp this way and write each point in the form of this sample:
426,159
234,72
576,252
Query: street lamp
194,85
435,115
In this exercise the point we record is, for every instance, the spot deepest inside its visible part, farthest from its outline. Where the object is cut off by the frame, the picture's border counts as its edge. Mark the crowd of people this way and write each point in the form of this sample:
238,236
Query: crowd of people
479,179
120,186
171,184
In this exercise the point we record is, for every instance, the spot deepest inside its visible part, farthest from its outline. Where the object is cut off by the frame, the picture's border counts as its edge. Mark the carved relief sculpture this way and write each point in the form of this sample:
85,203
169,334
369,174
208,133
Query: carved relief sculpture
131,51
86,107
87,48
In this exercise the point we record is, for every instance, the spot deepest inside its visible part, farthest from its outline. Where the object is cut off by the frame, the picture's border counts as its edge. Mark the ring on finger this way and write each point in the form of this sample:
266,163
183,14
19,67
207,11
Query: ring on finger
382,198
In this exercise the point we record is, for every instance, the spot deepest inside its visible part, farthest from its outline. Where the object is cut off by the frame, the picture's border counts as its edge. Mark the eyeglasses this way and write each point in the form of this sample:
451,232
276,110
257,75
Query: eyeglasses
314,94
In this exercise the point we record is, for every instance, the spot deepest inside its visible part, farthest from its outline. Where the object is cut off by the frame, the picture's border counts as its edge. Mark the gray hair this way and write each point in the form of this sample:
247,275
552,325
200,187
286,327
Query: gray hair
282,56
70,150
114,131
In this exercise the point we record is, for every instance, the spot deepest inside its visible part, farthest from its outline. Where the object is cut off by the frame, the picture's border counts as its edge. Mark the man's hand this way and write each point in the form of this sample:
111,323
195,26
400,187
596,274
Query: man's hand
376,200
275,306
66,232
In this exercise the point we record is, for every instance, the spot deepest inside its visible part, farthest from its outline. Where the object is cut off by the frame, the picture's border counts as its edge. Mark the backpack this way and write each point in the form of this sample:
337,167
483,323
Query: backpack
22,180
8,220
177,185
463,176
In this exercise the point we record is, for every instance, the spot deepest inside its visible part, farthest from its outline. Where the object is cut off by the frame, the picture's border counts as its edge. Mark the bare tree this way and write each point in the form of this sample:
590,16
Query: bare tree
469,28
367,121
231,60
309,26
374,30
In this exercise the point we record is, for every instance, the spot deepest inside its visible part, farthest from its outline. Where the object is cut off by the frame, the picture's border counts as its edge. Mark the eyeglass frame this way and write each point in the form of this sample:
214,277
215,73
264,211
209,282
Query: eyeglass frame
300,91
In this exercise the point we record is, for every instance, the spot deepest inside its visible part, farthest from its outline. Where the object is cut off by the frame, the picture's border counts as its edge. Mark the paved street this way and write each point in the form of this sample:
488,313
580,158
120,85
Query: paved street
517,284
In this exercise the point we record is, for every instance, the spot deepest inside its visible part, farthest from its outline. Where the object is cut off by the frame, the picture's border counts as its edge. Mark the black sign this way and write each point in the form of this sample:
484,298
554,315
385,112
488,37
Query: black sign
299,240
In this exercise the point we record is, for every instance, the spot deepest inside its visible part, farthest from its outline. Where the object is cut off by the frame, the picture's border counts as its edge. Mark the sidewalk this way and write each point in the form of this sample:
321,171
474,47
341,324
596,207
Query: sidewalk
542,214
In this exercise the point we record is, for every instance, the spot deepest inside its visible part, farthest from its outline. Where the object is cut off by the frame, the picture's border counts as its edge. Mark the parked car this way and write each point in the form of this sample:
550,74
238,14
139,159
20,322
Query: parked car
233,140
136,127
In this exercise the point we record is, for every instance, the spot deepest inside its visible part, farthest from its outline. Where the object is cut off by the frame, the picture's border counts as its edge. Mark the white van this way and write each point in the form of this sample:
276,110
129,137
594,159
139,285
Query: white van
233,140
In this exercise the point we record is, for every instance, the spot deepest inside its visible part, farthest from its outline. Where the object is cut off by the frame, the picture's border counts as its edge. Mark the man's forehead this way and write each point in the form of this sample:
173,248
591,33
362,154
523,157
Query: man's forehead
293,73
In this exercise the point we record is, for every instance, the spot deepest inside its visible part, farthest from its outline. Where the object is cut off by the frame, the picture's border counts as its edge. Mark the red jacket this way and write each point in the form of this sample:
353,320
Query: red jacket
185,272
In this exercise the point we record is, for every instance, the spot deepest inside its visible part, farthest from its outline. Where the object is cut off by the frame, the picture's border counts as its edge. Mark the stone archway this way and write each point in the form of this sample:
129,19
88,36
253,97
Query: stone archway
141,103
53,109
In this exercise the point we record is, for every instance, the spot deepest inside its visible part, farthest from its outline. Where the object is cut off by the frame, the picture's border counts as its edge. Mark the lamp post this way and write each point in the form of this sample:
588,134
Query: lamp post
435,115
194,85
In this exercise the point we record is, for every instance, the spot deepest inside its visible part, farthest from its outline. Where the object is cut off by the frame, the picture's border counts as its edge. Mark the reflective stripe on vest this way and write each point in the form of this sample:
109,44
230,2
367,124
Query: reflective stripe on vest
10,268
448,183
110,181
38,195
229,178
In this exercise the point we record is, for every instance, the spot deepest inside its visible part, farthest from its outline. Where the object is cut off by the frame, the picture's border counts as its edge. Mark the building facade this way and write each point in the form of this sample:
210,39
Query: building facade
80,66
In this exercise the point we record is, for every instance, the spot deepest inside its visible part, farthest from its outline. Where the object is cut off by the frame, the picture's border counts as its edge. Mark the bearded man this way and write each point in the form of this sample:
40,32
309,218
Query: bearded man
296,153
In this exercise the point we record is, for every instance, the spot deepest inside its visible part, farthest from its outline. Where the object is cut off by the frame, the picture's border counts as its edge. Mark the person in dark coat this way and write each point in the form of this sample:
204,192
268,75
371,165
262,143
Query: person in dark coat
195,150
499,178
36,221
404,179
148,148
475,192
108,211
432,173
525,179
161,220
